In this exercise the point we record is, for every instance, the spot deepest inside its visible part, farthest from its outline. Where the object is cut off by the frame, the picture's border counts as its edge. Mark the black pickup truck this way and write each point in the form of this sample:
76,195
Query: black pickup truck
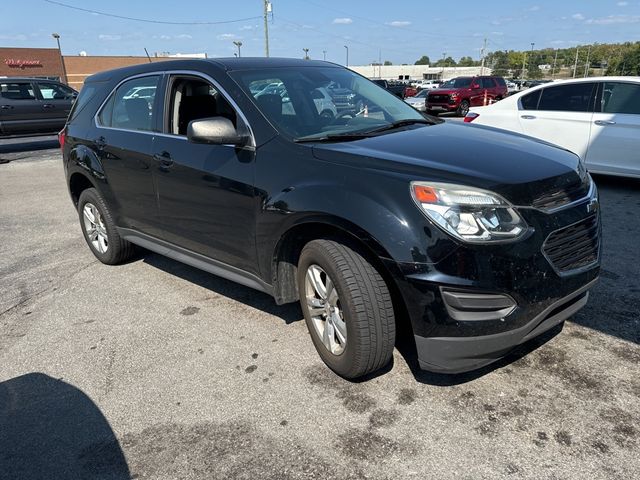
398,89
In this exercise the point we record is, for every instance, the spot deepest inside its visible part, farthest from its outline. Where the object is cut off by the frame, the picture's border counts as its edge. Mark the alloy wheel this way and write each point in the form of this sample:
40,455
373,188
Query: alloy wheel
95,228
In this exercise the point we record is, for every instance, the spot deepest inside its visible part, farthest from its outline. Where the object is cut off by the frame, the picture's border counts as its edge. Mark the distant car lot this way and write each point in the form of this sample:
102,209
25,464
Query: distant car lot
158,370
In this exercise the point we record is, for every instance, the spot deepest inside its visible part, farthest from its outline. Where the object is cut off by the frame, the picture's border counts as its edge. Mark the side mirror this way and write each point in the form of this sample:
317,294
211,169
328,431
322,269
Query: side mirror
216,131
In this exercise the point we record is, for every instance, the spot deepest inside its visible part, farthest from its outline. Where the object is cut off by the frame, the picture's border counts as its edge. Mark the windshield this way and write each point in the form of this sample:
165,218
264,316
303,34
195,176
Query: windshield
460,82
310,102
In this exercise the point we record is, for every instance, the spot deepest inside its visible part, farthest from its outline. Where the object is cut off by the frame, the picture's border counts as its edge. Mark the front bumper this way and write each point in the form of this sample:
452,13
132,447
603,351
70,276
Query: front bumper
461,354
480,301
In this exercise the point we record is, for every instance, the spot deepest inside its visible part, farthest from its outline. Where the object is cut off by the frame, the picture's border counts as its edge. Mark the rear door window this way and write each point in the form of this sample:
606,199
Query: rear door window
131,106
487,83
575,97
17,91
619,97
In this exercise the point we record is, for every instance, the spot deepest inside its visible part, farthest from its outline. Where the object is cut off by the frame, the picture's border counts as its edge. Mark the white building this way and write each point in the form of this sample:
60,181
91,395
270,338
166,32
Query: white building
417,72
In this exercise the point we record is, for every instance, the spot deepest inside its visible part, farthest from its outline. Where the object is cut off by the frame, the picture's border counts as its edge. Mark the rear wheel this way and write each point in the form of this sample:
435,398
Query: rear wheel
99,230
347,308
463,108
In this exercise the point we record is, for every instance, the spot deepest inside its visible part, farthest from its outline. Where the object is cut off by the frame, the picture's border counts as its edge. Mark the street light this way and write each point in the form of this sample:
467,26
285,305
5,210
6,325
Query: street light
324,55
347,65
64,69
531,58
238,44
306,53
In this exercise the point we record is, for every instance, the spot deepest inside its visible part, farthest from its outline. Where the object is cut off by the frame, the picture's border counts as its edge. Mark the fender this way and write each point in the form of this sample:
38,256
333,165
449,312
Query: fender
82,158
385,232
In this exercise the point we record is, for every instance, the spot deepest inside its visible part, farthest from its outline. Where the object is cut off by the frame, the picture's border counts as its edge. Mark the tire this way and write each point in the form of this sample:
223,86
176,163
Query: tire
361,312
327,114
463,108
104,242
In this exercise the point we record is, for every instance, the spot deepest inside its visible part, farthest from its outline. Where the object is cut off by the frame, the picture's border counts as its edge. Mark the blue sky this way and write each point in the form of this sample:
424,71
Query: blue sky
397,31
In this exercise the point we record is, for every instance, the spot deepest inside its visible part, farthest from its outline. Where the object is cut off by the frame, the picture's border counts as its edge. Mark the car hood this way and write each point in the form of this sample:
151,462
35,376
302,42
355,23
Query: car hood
414,99
517,167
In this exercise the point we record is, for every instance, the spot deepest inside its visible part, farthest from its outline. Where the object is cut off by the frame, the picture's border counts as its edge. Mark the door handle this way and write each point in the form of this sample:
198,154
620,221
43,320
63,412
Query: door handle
164,159
48,105
528,117
604,122
6,107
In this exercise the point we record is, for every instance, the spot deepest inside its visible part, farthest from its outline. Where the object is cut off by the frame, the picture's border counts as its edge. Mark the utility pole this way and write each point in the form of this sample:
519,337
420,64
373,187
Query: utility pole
524,63
586,65
482,53
324,55
347,65
267,10
575,64
555,61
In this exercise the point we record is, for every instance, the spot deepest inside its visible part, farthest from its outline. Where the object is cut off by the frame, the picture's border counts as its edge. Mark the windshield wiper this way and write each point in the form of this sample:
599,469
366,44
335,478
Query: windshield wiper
333,137
404,123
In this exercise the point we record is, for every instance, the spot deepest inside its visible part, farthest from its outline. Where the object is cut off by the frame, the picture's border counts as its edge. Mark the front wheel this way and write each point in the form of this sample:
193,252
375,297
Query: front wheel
347,307
463,108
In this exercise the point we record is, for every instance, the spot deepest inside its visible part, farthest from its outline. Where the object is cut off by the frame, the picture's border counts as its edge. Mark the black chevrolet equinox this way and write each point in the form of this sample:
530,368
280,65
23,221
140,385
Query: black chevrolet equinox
368,214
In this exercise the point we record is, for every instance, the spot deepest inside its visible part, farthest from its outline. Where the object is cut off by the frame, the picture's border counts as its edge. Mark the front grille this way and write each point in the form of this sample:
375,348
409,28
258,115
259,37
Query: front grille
562,196
575,246
438,98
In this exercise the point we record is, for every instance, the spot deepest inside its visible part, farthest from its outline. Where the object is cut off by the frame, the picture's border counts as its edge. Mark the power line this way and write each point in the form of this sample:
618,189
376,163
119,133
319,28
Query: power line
123,17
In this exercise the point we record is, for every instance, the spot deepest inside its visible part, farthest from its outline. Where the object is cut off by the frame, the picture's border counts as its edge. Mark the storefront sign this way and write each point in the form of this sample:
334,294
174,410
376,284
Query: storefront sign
17,63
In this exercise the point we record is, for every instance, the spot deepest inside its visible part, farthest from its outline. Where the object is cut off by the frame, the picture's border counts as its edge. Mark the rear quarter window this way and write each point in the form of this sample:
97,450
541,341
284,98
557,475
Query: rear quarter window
86,94
575,97
530,101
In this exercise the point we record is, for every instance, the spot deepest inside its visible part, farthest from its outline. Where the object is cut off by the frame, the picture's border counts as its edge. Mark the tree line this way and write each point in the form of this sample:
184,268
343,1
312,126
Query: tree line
599,58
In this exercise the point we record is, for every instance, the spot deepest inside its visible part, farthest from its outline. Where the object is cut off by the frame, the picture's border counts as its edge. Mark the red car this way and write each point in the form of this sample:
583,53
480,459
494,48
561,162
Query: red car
460,93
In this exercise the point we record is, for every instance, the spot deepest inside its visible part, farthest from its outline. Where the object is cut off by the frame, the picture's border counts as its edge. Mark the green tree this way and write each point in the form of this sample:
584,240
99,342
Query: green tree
423,60
467,62
447,62
387,62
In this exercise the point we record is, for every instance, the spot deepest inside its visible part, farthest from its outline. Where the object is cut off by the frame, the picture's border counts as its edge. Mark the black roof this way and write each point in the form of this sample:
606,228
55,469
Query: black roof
227,64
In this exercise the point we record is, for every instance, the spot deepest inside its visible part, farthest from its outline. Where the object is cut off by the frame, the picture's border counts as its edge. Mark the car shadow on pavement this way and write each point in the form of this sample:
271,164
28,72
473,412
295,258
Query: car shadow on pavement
290,312
29,145
51,429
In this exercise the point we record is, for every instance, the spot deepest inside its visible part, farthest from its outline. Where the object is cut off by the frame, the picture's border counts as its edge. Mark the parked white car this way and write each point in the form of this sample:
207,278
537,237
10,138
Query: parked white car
427,84
418,101
511,88
596,118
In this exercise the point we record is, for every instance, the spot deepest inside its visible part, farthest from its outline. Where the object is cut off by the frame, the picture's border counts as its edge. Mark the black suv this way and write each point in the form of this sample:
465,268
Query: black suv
480,239
31,105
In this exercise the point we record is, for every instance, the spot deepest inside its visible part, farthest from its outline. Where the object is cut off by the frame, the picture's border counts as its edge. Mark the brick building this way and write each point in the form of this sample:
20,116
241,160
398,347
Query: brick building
46,63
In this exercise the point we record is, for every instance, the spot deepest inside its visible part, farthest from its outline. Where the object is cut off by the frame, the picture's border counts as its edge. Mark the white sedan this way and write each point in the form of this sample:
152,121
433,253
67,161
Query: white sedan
596,118
418,101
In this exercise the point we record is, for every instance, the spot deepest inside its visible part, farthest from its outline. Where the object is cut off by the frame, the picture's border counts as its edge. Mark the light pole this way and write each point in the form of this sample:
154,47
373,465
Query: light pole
306,53
267,10
347,65
238,44
64,69
324,55
586,66
531,57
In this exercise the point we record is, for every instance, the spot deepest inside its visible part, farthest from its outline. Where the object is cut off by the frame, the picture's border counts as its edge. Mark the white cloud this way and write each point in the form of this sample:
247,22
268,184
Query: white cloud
184,36
165,37
399,23
614,19
535,8
246,27
577,16
227,36
109,36
342,21
19,36
622,4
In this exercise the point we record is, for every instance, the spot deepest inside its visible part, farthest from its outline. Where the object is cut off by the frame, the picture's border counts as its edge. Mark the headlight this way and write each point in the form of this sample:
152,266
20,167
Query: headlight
469,214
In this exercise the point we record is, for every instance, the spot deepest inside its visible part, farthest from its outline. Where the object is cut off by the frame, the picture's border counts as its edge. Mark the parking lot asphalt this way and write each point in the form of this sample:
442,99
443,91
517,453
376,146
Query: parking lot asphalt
155,370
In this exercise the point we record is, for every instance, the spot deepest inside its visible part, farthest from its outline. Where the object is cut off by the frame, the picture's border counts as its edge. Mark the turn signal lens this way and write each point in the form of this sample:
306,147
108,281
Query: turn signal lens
425,194
470,117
